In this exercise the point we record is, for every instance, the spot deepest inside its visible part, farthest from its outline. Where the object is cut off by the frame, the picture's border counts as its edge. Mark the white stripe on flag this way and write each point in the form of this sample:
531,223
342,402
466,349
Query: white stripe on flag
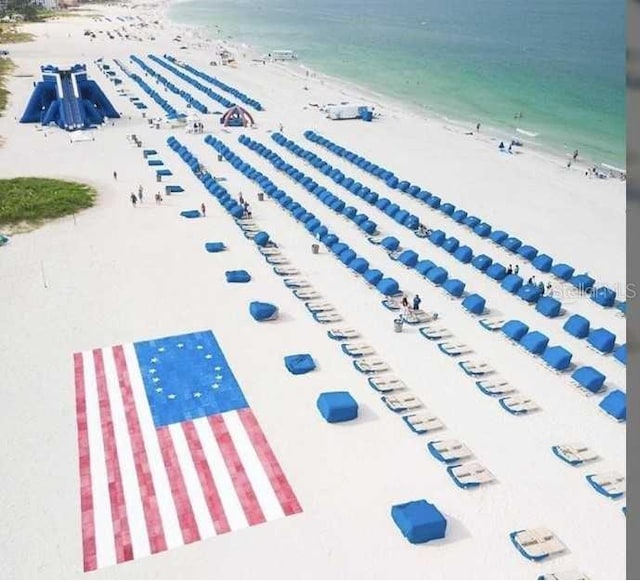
230,501
253,467
130,485
192,482
166,505
105,543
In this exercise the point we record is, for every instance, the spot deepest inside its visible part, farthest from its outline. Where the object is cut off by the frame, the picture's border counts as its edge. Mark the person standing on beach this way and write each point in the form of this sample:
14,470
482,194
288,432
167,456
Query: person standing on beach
140,193
516,269
115,175
281,128
203,209
416,302
241,199
478,127
575,155
134,200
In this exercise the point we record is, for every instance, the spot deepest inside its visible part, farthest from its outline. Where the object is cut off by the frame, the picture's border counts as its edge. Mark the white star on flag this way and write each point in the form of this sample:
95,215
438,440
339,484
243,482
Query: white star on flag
208,356
154,360
180,345
172,396
197,394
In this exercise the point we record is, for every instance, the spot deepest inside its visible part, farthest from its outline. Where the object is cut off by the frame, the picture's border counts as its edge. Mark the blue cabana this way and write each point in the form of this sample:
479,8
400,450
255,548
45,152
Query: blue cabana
589,378
299,363
359,265
437,275
577,326
620,353
263,311
424,266
464,254
528,252
447,209
474,304
615,404
549,307
563,271
498,236
582,282
483,230
542,262
515,329
535,342
481,262
390,243
451,244
437,237
496,271
512,283
373,276
388,286
602,340
214,246
338,247
603,296
557,357
458,216
512,243
237,276
408,258
261,238
454,287
471,221
419,521
347,255
530,293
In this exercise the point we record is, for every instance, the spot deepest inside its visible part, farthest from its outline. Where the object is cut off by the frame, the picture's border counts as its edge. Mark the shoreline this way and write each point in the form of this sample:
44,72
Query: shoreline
397,105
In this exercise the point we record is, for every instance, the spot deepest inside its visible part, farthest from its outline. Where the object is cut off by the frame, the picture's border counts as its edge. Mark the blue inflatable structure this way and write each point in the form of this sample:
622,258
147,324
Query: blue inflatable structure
299,364
337,406
263,311
419,521
69,99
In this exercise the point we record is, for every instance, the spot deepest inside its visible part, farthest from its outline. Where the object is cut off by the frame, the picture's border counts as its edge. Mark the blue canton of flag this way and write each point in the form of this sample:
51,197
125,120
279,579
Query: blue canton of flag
187,377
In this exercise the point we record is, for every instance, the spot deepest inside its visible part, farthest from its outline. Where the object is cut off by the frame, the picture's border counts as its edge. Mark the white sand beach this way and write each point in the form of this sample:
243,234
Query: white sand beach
115,275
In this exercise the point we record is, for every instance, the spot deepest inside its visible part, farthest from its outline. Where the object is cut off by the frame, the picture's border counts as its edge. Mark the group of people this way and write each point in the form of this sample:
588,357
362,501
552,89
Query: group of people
140,197
544,289
406,308
245,206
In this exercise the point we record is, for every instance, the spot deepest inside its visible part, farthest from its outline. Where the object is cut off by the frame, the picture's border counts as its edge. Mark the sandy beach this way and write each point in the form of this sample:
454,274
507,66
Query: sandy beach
115,275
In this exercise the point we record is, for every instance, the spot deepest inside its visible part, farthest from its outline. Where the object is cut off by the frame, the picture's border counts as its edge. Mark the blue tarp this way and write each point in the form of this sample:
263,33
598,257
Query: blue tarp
563,271
615,404
557,357
454,287
512,283
604,296
549,307
390,243
589,378
481,262
337,406
577,326
388,286
237,276
542,262
620,353
300,363
419,521
437,275
515,329
190,213
535,342
263,311
464,254
408,258
602,339
214,246
474,304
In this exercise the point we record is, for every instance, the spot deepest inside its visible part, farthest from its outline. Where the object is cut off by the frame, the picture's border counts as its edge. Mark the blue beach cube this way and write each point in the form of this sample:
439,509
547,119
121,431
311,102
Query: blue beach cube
337,406
299,364
419,521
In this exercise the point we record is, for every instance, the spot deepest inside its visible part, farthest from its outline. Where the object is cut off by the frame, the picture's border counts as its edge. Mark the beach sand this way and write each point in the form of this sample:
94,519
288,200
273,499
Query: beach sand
114,274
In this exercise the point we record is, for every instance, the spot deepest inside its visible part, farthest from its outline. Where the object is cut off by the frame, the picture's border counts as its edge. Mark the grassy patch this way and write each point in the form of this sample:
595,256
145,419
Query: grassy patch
6,66
30,201
10,33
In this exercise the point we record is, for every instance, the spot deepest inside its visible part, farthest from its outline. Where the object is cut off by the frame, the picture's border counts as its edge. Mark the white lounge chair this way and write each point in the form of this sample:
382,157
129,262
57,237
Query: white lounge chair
571,574
423,422
375,239
448,451
269,251
296,283
492,323
392,304
470,475
357,349
342,333
286,270
609,484
495,387
277,259
401,402
370,365
434,332
246,222
536,544
386,383
518,404
394,254
419,317
319,306
306,294
574,454
327,317
454,349
475,367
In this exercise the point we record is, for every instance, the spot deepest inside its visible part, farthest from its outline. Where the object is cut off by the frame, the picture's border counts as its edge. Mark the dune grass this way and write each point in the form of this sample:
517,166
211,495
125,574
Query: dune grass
28,202
10,33
6,66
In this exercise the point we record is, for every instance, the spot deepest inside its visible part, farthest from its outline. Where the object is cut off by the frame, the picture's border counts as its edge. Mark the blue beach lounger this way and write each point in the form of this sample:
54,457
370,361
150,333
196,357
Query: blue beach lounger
448,451
609,484
470,475
536,544
423,422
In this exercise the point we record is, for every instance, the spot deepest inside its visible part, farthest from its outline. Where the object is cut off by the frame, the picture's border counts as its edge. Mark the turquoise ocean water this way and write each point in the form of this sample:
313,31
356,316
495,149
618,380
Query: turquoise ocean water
559,62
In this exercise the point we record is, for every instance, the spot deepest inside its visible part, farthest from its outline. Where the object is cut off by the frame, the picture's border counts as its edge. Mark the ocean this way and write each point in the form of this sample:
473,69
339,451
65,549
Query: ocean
560,63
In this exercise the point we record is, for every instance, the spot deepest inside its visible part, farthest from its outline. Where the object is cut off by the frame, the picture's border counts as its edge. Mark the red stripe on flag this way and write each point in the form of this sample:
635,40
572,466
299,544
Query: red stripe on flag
122,535
203,469
281,487
90,559
152,517
241,482
184,510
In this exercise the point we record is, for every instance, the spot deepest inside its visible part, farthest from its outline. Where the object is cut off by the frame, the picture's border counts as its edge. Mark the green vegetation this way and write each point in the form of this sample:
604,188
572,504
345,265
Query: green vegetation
30,201
6,66
28,9
10,33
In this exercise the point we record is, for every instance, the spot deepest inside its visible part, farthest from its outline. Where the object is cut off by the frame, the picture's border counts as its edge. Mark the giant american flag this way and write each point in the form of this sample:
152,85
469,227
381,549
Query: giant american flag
170,451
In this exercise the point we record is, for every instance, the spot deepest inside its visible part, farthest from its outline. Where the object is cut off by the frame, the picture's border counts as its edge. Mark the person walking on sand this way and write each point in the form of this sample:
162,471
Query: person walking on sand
478,127
241,199
281,128
247,210
516,269
134,200
115,175
405,306
510,270
575,155
140,194
203,209
416,302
